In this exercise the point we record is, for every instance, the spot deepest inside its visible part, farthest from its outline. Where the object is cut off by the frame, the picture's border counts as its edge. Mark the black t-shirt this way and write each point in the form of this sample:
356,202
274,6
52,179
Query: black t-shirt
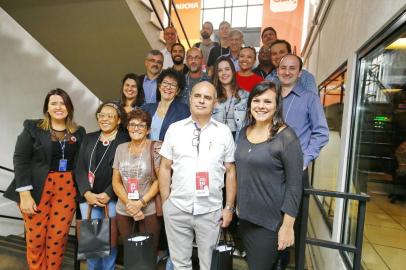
269,178
71,147
215,53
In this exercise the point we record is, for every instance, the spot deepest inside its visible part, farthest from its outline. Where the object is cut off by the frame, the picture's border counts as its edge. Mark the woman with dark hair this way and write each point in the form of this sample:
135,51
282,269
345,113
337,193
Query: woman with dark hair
94,171
269,164
167,110
132,95
246,78
43,187
135,178
232,101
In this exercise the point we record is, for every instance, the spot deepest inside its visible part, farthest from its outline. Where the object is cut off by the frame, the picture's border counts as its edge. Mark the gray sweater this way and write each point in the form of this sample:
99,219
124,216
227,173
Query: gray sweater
269,178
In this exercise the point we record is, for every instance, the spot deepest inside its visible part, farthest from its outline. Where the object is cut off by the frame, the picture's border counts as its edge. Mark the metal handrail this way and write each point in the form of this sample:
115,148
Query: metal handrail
168,12
356,248
6,169
180,23
156,14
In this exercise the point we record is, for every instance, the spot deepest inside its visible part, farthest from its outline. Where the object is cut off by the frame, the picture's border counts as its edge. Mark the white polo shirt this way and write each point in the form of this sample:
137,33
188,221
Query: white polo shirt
168,62
216,147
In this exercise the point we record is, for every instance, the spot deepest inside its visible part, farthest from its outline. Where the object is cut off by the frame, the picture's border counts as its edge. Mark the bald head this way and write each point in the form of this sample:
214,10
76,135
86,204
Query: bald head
202,100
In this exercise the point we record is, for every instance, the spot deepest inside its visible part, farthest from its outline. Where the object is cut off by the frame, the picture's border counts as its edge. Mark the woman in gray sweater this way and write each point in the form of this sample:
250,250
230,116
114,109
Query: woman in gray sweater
269,165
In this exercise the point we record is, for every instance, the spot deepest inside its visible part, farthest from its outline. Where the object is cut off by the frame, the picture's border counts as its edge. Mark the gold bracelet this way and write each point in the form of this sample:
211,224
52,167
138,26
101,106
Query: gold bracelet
143,202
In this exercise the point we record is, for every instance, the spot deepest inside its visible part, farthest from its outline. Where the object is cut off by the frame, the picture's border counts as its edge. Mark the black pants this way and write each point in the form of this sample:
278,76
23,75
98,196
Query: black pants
260,244
285,254
298,219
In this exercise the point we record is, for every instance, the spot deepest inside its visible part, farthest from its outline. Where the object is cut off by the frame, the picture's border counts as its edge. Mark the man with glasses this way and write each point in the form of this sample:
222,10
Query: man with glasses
153,64
199,151
194,58
265,65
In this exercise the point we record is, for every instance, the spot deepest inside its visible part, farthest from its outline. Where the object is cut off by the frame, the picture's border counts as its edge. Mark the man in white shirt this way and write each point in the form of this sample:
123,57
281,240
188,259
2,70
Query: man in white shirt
199,150
170,37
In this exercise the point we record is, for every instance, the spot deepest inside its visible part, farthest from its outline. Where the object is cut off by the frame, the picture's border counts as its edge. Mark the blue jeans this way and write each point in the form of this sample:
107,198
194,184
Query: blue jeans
109,262
169,264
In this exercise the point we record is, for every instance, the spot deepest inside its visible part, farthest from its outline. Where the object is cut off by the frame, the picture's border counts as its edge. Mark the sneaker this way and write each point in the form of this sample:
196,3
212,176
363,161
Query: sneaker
236,253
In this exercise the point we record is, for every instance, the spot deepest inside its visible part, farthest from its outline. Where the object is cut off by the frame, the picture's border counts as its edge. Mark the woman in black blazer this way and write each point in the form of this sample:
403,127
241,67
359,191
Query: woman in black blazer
167,110
93,172
43,186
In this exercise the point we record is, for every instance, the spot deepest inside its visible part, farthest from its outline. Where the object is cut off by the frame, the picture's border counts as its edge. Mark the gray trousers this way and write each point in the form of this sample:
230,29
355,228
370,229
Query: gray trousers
181,227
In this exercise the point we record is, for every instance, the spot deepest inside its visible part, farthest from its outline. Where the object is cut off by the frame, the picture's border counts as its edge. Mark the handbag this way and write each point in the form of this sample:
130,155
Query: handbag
158,200
139,252
222,255
96,237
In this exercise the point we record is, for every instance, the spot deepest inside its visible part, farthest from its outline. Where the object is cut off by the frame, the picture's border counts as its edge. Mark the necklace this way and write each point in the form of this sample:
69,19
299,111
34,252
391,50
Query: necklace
106,140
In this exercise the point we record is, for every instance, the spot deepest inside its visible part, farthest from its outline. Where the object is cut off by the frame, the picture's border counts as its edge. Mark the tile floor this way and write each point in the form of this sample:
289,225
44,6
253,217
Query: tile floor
385,235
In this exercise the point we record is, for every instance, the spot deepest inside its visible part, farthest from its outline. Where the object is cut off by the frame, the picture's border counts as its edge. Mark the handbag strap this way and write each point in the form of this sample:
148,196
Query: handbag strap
151,152
133,226
90,208
223,231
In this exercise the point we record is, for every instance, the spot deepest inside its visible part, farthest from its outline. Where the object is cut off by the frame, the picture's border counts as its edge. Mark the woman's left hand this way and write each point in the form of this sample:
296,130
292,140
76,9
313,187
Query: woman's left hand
286,237
103,198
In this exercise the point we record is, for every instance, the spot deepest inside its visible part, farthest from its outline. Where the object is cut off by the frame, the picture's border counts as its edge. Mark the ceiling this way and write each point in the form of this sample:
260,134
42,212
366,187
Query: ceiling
97,40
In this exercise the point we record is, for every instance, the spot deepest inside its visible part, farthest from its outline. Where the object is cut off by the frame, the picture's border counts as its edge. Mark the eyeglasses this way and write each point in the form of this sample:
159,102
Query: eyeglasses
155,61
108,116
169,85
137,126
191,58
196,138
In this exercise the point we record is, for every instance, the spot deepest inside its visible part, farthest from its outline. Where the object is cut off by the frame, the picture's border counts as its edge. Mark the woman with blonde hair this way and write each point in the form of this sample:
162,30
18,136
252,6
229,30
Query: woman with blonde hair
43,187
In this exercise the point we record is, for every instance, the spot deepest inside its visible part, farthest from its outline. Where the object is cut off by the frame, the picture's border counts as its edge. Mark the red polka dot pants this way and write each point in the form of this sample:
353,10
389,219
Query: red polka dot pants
47,231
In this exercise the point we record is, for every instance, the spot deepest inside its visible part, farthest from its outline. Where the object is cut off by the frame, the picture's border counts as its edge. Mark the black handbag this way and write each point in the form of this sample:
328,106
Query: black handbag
222,256
139,253
96,237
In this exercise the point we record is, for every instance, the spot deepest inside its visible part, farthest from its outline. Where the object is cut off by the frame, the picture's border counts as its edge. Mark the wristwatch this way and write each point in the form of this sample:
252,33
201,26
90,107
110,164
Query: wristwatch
230,208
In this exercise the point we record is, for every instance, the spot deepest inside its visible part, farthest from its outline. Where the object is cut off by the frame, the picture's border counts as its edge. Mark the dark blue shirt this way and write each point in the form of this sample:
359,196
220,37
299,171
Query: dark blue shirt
304,113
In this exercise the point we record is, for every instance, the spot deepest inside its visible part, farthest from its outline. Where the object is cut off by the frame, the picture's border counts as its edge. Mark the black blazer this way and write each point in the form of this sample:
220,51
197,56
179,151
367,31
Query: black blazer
177,111
32,159
102,183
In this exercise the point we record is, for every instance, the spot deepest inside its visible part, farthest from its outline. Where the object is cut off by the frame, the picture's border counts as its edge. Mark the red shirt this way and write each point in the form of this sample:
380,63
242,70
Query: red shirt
248,82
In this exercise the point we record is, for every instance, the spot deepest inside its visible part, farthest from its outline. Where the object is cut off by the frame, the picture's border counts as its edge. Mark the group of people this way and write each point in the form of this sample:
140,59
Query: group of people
232,140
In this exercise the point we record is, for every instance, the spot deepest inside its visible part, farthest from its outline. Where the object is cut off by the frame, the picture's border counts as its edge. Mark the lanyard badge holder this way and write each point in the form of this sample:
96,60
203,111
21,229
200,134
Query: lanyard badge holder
63,163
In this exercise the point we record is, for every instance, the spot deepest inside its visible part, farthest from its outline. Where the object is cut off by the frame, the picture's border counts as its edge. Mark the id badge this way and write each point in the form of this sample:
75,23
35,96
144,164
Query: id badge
132,188
202,184
91,177
63,165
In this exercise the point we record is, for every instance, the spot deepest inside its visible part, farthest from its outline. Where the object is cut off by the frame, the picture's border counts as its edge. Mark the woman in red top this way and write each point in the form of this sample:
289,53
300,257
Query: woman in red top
246,78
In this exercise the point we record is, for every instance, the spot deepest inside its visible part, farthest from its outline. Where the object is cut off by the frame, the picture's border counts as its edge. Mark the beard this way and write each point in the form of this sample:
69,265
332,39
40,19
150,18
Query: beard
177,60
205,35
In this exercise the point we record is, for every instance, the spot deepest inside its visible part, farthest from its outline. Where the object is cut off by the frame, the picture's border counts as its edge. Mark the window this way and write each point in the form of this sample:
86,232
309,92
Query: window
240,13
379,126
325,167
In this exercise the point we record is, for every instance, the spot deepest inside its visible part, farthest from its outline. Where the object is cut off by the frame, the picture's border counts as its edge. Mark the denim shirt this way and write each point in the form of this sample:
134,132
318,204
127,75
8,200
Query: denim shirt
240,108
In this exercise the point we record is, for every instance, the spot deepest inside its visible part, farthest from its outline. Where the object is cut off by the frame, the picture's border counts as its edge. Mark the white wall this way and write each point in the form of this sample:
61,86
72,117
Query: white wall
27,73
348,26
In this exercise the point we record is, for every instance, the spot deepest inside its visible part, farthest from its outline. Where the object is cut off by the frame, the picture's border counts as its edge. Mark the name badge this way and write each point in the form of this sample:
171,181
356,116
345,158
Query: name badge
91,177
132,189
202,184
63,165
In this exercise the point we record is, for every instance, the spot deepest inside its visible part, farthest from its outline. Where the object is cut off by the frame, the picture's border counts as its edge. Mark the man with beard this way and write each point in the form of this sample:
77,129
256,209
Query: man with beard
153,64
206,44
194,59
265,65
178,57
170,37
